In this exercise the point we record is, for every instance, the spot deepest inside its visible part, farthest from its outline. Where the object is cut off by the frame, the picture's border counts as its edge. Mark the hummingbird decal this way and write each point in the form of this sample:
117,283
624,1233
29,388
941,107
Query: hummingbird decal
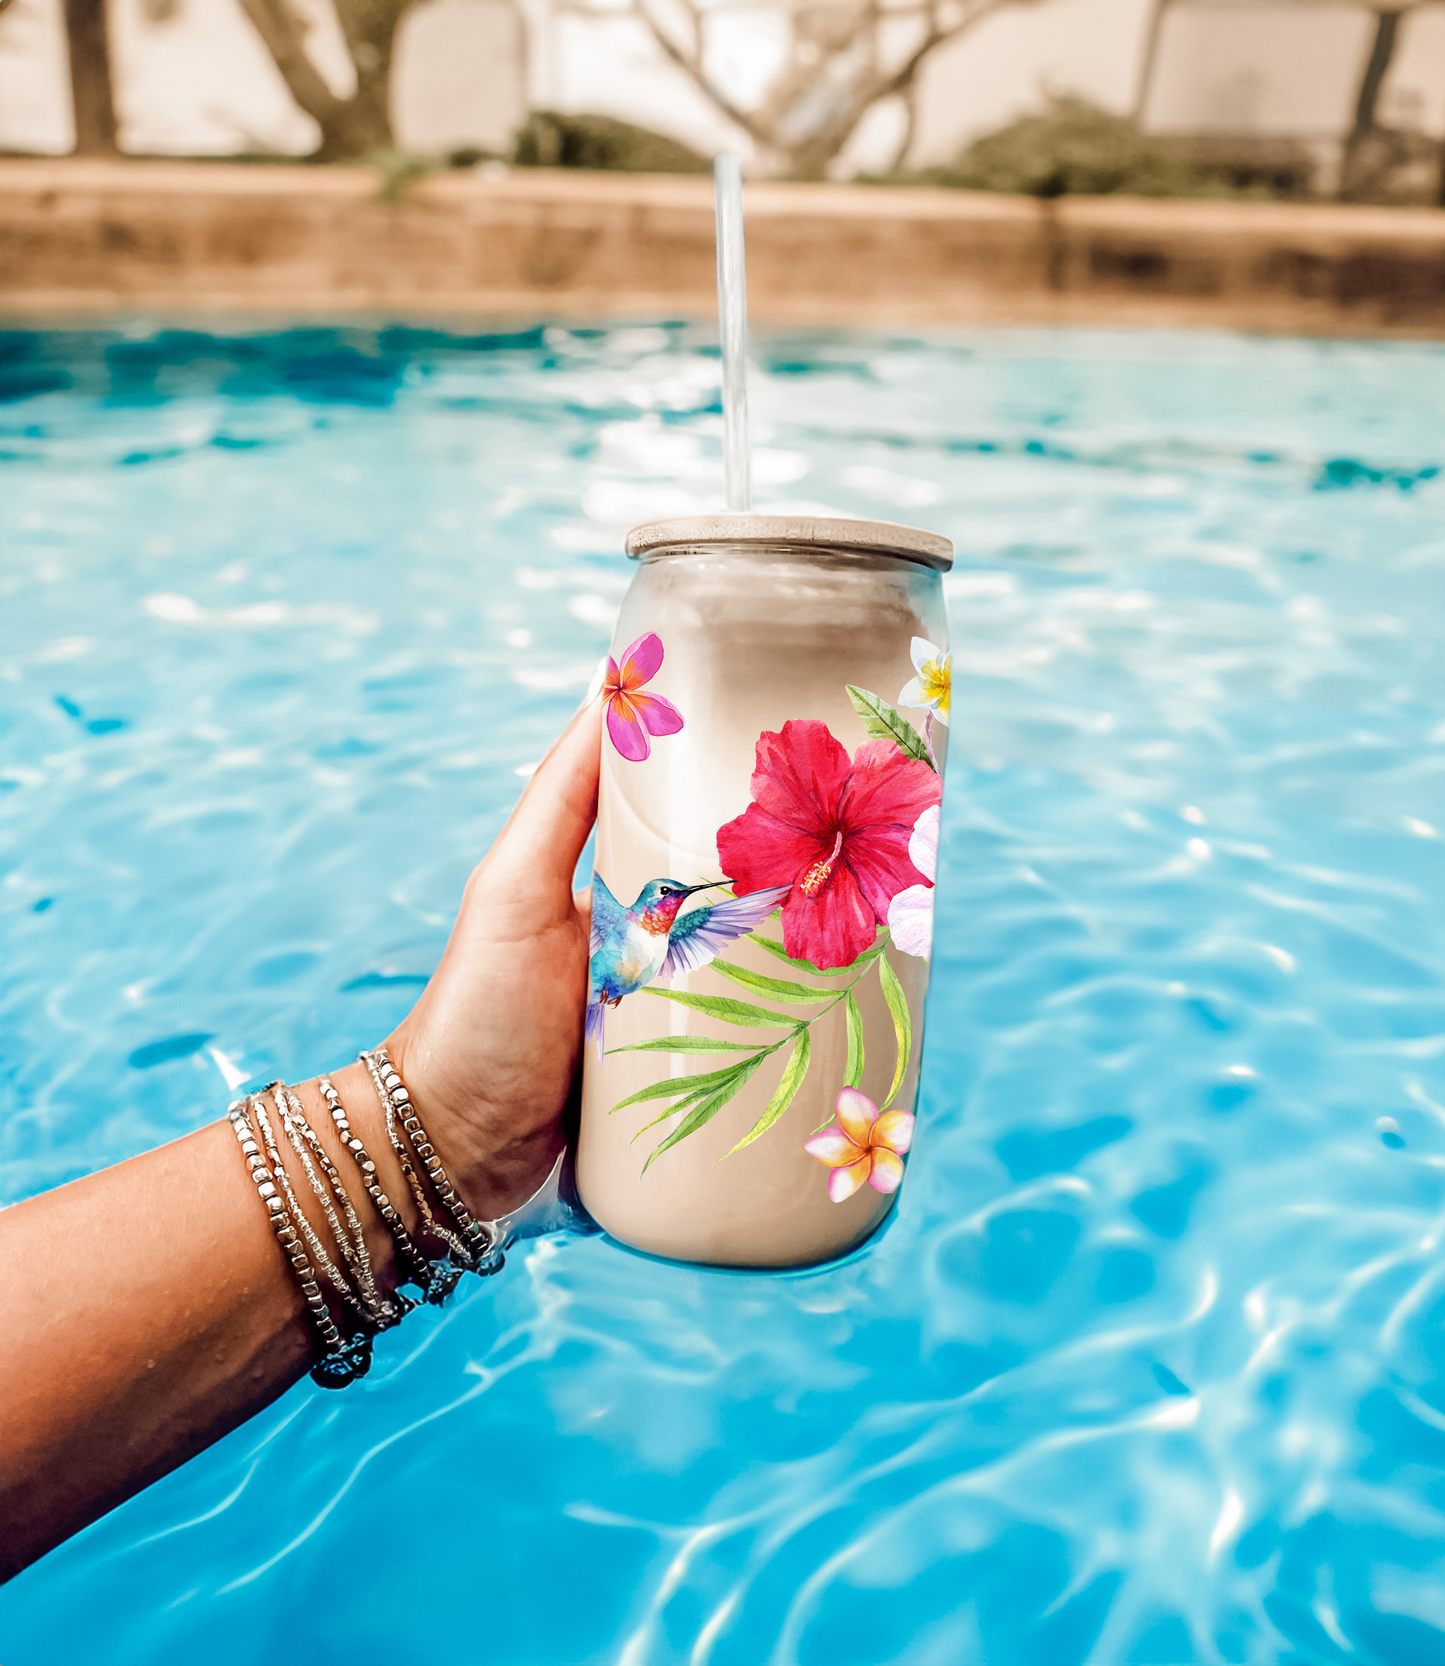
652,939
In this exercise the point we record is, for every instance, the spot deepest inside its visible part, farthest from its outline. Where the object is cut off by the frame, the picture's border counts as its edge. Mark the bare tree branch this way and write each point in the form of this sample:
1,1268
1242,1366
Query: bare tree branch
284,36
693,67
353,126
909,96
819,88
829,141
940,36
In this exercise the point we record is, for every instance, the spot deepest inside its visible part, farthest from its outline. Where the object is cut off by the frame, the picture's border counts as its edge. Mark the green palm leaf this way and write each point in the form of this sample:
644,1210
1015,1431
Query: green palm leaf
807,965
684,1044
720,1006
792,1079
775,988
688,1085
902,1024
853,1074
683,1104
782,954
704,1111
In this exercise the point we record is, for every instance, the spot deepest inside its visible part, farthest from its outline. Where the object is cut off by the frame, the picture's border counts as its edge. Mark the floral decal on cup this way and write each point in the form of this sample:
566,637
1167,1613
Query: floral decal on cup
839,850
932,684
834,830
863,1146
931,689
910,914
632,715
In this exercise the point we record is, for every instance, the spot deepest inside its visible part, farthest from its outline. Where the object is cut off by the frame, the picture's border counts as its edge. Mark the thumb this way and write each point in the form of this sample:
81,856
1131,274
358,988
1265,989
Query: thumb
538,848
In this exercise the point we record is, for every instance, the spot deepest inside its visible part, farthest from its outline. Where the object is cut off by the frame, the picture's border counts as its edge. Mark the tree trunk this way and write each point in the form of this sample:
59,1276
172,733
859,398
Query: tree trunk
1387,30
88,43
1377,66
350,127
355,127
365,124
809,161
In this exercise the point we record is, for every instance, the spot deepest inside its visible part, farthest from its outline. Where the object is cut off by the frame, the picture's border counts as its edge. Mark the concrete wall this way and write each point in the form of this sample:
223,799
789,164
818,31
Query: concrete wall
160,237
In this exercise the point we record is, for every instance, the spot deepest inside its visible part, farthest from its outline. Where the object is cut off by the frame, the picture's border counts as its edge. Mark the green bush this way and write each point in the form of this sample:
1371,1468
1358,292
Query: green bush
1075,148
550,140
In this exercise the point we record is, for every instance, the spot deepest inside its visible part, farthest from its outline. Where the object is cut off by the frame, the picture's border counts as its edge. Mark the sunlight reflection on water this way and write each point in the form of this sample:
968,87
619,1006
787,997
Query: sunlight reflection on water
1148,1367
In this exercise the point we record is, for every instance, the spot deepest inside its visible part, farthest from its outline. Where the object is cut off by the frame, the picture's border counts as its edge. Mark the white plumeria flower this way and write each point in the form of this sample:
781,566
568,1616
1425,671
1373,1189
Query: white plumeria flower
934,682
910,914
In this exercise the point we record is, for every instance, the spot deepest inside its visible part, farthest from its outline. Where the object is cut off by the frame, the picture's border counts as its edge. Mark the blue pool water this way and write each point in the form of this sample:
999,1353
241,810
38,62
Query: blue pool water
1150,1364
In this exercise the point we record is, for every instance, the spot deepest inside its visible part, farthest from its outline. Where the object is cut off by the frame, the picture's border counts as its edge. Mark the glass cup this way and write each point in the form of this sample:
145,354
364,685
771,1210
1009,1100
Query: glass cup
777,707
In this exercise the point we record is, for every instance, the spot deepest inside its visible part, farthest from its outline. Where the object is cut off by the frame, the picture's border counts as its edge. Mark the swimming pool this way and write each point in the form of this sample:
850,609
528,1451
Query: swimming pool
1150,1364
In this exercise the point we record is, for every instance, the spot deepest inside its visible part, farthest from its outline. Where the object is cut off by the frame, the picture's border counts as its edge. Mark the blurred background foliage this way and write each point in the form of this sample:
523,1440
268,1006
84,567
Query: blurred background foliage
550,139
1217,98
1073,148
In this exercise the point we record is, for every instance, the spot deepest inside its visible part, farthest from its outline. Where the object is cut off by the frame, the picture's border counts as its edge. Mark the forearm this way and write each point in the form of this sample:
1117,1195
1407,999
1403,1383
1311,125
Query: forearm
150,1311
152,1307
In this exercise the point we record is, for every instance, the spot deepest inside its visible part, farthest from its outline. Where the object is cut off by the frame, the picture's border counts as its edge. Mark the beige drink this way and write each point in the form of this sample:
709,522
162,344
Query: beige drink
777,710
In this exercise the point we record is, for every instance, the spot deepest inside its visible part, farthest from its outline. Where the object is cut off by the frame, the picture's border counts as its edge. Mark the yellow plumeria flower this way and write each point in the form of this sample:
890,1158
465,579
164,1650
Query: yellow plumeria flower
934,682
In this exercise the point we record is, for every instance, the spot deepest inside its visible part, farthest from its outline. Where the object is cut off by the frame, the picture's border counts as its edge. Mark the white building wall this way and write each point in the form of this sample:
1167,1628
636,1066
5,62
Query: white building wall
1012,62
1285,70
460,77
34,91
200,83
467,69
1414,90
607,63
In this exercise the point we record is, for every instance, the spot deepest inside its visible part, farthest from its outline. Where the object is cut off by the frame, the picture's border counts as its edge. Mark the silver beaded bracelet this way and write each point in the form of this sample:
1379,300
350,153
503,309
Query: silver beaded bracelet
473,1246
434,1280
379,1311
466,1244
334,1276
341,1361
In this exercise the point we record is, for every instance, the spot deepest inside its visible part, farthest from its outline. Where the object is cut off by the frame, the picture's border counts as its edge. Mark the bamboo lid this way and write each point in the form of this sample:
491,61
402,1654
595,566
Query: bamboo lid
882,537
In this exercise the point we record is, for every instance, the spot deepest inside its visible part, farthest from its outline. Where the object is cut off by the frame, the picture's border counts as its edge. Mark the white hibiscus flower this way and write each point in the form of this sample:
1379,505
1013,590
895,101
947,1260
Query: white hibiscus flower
910,914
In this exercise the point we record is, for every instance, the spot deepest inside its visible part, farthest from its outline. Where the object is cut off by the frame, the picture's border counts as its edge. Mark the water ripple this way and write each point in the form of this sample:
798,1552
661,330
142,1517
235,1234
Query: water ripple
1148,1365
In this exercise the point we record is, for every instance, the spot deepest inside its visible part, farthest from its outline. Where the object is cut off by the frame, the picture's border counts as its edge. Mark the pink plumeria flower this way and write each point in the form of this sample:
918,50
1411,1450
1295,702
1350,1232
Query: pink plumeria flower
910,914
864,1146
631,715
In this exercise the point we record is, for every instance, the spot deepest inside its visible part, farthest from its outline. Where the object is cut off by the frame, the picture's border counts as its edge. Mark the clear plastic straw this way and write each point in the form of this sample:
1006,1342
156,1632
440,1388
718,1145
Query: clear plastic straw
732,309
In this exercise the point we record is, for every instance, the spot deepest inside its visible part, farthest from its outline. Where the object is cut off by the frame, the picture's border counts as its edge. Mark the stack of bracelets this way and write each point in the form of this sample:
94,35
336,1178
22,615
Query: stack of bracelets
449,1247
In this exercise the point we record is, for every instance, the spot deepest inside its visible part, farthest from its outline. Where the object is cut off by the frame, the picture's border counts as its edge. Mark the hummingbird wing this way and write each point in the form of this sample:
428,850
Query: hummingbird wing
606,913
696,937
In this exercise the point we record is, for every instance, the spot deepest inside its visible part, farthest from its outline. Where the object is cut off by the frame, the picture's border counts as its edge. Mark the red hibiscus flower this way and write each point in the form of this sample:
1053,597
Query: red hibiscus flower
836,829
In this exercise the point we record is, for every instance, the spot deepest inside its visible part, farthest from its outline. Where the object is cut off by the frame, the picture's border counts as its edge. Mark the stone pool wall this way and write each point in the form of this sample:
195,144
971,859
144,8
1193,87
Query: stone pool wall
80,237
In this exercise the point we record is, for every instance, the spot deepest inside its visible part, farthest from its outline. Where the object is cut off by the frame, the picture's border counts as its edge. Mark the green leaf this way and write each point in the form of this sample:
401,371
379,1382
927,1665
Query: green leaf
684,1044
782,954
688,1085
775,988
792,1079
902,1024
720,1006
807,965
704,1111
683,1104
870,955
882,722
853,1075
